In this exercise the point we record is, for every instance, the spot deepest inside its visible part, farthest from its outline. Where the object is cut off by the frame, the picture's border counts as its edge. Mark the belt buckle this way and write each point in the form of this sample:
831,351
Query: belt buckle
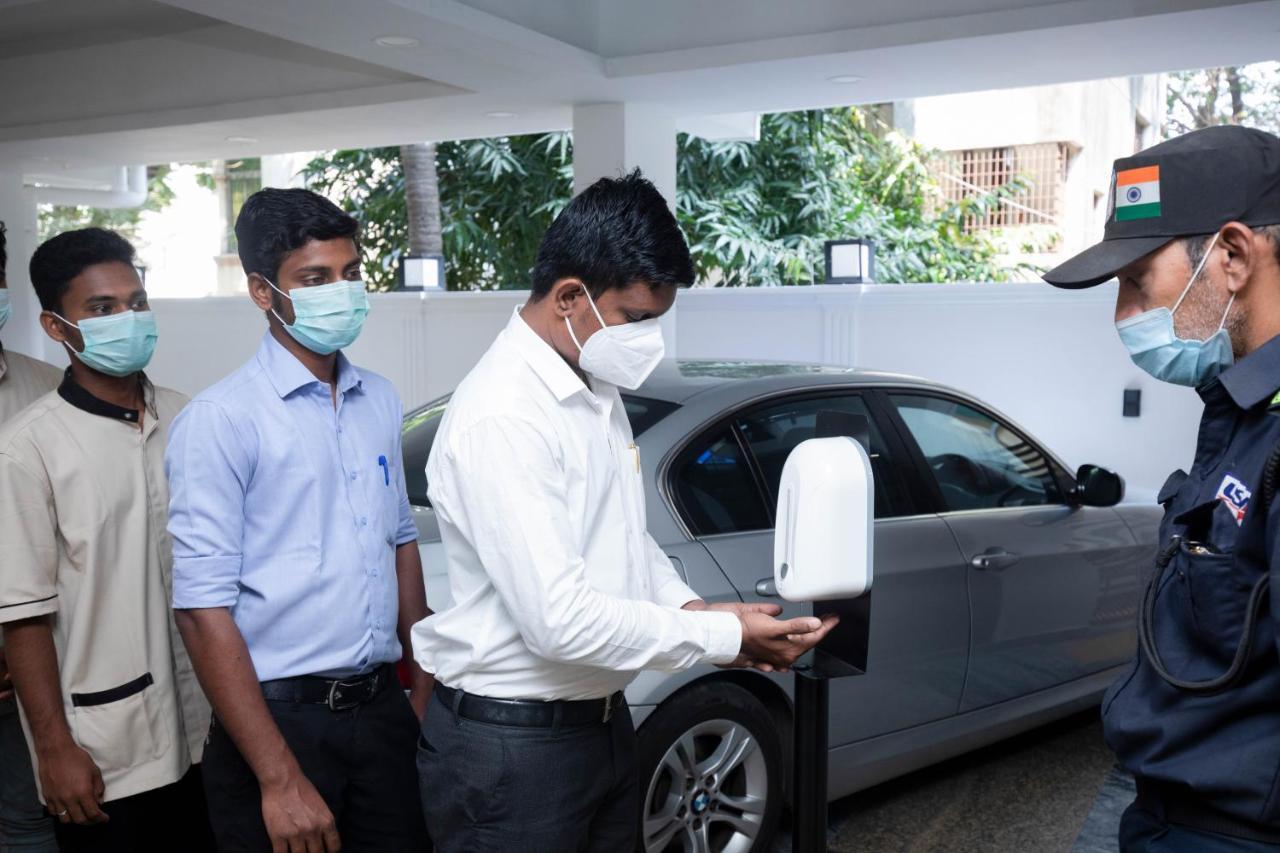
336,701
608,708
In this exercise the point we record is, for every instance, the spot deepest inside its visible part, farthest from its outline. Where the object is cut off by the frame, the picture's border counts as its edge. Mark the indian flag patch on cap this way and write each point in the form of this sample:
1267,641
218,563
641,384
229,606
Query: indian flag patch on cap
1138,193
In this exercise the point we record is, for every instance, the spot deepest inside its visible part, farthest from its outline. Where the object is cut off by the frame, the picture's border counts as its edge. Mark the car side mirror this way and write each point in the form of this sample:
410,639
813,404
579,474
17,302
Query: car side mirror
823,540
1096,486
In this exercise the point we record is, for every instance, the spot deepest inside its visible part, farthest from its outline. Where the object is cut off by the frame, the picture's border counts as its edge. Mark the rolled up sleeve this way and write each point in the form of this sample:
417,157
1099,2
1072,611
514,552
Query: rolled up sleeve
208,468
407,530
28,543
502,476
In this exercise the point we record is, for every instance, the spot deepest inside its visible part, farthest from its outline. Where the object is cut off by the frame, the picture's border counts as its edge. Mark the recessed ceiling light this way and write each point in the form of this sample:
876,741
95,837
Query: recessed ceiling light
243,140
500,114
396,41
845,78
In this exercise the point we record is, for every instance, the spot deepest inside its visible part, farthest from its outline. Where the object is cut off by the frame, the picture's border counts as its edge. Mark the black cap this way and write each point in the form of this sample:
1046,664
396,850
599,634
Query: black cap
1194,184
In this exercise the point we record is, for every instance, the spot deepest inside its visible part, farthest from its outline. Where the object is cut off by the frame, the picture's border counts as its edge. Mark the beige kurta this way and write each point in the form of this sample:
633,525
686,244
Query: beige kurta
83,511
23,380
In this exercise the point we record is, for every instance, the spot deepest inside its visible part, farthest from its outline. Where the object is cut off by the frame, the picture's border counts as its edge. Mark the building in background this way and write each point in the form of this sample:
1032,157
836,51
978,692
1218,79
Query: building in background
1057,141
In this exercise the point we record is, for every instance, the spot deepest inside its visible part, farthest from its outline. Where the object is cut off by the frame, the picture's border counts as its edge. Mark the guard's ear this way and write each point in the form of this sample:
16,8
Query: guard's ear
260,292
565,295
1242,252
60,332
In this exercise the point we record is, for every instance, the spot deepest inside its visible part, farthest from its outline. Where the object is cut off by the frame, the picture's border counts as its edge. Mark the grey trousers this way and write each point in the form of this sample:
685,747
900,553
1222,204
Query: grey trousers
24,825
571,789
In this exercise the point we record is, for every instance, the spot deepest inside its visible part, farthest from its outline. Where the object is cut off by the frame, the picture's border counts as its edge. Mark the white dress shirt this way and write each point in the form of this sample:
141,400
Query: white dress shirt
559,591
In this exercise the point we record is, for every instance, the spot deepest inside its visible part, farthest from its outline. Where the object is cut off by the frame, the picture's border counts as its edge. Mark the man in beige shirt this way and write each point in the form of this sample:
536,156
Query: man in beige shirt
113,713
23,822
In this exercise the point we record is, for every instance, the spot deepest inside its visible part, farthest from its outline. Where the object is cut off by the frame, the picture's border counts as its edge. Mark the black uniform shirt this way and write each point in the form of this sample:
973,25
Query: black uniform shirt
1223,747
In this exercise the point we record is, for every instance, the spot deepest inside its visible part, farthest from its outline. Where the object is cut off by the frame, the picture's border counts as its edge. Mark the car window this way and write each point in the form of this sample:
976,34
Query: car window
772,431
418,433
644,412
977,461
715,488
416,437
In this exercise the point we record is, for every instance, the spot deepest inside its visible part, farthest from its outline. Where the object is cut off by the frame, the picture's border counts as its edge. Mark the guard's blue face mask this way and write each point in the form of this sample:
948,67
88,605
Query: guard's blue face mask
116,345
326,317
1156,348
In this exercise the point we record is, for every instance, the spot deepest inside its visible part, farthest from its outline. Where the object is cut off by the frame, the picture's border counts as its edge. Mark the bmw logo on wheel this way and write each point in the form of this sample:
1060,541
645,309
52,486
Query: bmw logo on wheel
700,803
1133,194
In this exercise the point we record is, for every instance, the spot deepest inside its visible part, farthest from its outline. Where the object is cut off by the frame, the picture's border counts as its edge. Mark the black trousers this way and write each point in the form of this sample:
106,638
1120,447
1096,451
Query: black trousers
158,821
498,788
359,760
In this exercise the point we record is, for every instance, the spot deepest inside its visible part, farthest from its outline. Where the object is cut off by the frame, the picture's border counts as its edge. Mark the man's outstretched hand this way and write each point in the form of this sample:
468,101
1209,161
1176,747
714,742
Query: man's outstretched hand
768,643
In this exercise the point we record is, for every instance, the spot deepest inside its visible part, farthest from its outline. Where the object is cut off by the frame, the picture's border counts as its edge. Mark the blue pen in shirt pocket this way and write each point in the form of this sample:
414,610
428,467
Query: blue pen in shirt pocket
386,470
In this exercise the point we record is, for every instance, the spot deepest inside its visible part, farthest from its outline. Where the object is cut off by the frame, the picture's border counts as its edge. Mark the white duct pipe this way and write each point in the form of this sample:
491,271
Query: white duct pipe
129,189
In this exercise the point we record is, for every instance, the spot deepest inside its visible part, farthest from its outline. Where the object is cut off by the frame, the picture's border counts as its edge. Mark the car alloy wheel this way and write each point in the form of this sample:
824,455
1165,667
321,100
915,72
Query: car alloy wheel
708,793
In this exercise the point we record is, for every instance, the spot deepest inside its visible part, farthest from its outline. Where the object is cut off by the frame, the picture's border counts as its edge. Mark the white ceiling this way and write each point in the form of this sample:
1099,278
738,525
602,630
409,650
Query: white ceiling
93,82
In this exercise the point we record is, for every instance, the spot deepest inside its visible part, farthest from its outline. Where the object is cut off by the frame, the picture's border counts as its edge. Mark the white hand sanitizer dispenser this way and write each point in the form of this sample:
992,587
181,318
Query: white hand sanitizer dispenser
823,544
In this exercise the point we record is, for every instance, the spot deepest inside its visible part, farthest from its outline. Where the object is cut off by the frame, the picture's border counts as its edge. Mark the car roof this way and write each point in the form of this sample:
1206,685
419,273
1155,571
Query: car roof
680,380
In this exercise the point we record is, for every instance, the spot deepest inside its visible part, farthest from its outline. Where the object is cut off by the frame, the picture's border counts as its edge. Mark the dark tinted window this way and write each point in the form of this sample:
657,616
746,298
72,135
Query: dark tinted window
773,431
418,433
644,412
977,461
715,489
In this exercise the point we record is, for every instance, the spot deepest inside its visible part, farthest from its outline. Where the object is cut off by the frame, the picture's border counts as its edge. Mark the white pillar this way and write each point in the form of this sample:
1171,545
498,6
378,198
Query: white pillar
609,140
18,212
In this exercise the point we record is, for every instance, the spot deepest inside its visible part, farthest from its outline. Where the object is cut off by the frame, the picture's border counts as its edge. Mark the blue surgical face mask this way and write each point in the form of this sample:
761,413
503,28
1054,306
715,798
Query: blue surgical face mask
5,307
117,345
326,317
1155,347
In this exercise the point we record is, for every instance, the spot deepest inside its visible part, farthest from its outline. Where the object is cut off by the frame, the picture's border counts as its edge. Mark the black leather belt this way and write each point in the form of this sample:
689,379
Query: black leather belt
1175,805
529,713
338,694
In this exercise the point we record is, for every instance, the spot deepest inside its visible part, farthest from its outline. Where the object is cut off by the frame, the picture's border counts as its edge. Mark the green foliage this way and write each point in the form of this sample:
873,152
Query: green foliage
56,218
753,213
497,197
758,213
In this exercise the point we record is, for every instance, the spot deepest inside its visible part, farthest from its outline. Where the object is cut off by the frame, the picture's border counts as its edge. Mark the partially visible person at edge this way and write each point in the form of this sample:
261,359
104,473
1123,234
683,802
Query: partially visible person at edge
112,711
24,824
1194,238
562,595
296,568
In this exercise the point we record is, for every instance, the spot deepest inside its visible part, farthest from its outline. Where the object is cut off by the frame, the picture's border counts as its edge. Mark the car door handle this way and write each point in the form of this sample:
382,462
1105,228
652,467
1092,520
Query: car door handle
994,559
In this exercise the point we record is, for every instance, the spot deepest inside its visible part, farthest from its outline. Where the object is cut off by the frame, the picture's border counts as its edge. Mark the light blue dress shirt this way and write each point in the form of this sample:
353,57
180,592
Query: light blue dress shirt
288,512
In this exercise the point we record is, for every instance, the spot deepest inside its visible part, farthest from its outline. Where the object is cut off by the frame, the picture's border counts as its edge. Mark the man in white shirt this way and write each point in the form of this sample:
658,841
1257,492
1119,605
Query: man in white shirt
562,596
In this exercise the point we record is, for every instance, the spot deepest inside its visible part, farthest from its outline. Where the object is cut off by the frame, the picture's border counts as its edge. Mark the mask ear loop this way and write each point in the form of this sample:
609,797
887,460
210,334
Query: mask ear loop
282,293
1204,259
569,325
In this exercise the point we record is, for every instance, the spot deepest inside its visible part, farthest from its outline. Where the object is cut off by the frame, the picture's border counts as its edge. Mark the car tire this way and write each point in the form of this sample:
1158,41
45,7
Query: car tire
711,767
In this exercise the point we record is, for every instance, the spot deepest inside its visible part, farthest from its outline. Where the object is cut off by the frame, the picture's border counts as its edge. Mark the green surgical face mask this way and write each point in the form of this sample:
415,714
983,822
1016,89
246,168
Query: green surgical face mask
326,317
116,345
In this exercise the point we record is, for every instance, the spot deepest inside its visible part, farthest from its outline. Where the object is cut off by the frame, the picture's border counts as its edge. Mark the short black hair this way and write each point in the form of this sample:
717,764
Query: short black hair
274,222
60,259
619,231
4,252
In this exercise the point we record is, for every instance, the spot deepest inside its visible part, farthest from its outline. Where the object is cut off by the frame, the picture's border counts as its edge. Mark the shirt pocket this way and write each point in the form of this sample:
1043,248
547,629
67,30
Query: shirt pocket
121,727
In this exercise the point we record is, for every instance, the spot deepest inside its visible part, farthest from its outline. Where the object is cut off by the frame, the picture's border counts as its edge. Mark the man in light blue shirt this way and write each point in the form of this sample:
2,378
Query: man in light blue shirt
296,570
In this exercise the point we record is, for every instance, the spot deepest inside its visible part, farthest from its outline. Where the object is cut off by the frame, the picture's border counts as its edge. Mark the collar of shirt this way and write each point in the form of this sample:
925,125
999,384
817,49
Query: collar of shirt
558,376
1251,380
77,395
287,374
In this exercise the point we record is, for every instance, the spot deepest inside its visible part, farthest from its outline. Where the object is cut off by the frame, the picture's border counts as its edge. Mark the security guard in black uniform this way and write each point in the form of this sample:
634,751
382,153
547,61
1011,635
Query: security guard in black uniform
1192,236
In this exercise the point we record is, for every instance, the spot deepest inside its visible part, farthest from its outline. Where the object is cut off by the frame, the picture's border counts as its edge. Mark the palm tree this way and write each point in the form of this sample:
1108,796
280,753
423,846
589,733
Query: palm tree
422,198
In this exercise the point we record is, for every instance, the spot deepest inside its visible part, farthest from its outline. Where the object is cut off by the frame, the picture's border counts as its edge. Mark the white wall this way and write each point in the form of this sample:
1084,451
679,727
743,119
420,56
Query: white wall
1049,359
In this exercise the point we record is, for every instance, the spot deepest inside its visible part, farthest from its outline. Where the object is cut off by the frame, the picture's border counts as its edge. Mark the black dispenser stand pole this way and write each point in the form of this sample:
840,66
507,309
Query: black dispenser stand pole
809,775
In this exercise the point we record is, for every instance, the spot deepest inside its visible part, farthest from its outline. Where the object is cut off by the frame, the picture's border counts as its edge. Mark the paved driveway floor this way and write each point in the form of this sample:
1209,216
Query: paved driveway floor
1029,794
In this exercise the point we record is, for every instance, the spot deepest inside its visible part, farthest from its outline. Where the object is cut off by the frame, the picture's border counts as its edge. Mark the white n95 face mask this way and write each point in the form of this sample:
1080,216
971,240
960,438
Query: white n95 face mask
620,355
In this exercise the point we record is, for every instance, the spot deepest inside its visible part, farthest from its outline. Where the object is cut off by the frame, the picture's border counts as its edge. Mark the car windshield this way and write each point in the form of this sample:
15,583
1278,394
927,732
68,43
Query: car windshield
418,433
